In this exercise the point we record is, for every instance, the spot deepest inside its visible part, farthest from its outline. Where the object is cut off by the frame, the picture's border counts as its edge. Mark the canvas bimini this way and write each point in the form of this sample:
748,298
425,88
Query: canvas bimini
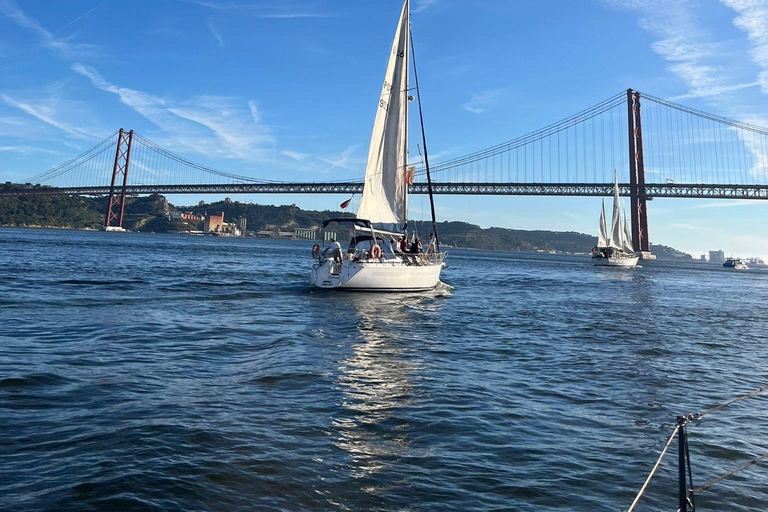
614,249
371,261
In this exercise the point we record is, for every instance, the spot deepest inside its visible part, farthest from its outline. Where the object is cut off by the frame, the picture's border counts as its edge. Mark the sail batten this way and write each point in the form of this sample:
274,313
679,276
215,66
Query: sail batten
385,189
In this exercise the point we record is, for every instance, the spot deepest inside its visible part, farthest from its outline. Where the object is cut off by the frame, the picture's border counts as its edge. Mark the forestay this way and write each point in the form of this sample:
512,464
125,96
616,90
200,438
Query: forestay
385,192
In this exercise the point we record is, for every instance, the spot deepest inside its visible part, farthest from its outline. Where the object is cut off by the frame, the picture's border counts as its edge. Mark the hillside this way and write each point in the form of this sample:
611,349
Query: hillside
149,214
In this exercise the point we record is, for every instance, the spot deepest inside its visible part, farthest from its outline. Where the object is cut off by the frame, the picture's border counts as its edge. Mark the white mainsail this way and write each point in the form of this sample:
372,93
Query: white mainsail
602,235
627,237
385,191
615,239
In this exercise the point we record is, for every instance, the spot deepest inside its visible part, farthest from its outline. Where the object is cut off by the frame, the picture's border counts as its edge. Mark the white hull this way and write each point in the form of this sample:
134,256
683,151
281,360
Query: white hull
375,275
616,262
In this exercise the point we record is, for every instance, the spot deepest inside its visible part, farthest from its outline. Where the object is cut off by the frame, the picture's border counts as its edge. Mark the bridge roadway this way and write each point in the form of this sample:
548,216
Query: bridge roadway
703,191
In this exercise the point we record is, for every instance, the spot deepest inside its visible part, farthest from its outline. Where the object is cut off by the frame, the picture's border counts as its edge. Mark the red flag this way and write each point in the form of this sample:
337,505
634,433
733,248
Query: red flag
345,203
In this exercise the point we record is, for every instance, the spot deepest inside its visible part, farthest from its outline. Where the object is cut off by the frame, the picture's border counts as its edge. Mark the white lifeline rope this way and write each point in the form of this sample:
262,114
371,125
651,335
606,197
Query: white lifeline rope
653,471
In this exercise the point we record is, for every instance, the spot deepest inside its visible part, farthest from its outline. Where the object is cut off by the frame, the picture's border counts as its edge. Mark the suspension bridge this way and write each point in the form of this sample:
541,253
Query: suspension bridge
664,149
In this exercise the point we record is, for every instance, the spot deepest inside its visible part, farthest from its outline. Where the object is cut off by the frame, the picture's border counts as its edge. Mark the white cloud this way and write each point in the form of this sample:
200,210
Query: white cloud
345,159
422,5
215,32
47,115
482,101
235,134
753,20
48,40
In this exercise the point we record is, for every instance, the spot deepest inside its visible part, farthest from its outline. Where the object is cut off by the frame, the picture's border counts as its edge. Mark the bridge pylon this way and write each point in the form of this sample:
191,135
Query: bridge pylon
116,204
637,193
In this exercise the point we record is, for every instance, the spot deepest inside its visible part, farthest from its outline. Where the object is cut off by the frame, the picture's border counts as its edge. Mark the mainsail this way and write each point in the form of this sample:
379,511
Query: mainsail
615,240
627,237
385,192
602,234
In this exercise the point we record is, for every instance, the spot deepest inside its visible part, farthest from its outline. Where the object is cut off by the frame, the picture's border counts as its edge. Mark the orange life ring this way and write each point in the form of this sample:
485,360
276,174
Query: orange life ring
376,252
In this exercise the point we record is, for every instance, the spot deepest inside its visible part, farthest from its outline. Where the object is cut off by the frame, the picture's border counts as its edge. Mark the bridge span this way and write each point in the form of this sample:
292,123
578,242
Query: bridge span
649,190
668,150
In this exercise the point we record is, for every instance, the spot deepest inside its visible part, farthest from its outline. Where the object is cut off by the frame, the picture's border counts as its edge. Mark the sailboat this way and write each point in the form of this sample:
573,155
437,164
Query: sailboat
374,260
614,249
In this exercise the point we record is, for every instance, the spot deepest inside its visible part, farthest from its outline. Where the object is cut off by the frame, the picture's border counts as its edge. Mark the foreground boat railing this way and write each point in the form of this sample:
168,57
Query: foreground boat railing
686,490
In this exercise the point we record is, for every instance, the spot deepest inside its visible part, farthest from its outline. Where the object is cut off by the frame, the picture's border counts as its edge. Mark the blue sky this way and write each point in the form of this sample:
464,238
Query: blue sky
288,89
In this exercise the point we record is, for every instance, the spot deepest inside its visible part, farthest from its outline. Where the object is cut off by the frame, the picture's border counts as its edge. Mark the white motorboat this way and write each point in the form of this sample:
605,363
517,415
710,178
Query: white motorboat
614,249
373,261
736,264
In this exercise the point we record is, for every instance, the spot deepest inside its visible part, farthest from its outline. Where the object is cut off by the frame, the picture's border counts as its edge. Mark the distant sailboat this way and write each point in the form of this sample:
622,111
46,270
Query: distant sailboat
373,261
614,249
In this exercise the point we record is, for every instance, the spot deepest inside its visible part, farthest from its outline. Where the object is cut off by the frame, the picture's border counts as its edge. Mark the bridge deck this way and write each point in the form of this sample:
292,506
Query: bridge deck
708,191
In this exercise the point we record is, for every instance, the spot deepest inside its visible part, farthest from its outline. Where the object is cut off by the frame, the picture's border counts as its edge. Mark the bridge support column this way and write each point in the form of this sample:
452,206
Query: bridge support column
116,203
640,240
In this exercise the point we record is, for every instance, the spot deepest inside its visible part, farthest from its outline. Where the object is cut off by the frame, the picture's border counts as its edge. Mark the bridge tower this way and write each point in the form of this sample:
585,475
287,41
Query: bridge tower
638,199
116,204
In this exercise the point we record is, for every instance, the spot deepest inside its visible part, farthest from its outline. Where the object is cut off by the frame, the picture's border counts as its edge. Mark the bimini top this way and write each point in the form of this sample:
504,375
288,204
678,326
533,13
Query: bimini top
352,220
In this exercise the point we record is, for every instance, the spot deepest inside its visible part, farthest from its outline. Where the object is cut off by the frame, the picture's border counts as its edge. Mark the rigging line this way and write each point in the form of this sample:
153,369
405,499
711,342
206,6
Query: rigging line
707,115
722,477
78,165
194,165
730,402
653,471
538,134
68,162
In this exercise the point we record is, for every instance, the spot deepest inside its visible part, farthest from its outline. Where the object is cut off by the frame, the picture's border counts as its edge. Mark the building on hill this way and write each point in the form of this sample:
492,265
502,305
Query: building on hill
716,256
213,223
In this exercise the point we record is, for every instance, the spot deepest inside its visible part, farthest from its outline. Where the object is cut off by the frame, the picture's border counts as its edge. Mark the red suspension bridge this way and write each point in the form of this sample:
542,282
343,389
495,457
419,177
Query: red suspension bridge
664,149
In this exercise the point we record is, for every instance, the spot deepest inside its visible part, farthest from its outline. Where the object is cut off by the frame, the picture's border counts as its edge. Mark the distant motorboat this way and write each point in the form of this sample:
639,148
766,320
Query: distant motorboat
614,249
736,264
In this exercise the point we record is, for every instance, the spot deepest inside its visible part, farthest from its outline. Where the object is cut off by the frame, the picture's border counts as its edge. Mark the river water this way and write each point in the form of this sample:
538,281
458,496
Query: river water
178,373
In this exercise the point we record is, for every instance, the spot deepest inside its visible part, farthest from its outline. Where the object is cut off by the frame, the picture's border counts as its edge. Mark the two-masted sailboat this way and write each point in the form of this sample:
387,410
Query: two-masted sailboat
377,258
614,249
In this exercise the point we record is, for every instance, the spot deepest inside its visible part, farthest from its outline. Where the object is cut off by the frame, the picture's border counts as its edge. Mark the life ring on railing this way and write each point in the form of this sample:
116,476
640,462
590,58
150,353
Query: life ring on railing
315,251
376,252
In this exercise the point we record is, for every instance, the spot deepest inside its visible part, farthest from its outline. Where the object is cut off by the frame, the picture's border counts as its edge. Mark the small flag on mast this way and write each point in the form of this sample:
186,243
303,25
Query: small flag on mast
346,203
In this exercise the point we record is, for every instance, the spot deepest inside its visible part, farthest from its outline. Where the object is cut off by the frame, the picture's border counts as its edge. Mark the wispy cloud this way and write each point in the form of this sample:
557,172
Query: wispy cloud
690,51
215,32
422,5
729,204
235,130
753,20
47,116
13,12
274,10
479,103
345,159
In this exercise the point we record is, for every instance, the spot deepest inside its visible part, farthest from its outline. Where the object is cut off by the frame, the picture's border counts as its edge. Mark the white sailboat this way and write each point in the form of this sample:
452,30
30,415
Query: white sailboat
373,261
614,249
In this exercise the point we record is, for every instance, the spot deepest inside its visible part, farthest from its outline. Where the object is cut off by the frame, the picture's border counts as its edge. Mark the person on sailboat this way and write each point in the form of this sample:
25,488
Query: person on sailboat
394,245
431,246
403,244
416,246
336,251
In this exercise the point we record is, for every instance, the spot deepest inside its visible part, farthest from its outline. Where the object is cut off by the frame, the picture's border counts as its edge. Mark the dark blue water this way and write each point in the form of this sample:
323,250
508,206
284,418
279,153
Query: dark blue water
170,373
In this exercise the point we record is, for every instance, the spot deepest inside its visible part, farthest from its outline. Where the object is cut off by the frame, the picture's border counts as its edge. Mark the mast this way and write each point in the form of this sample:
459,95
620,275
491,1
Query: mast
405,146
424,140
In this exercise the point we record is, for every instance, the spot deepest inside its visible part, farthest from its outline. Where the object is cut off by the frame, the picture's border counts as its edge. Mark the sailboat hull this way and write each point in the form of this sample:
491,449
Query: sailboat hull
613,261
377,276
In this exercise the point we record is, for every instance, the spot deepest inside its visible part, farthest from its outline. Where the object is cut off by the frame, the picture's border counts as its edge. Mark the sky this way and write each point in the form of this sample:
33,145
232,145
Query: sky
288,89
